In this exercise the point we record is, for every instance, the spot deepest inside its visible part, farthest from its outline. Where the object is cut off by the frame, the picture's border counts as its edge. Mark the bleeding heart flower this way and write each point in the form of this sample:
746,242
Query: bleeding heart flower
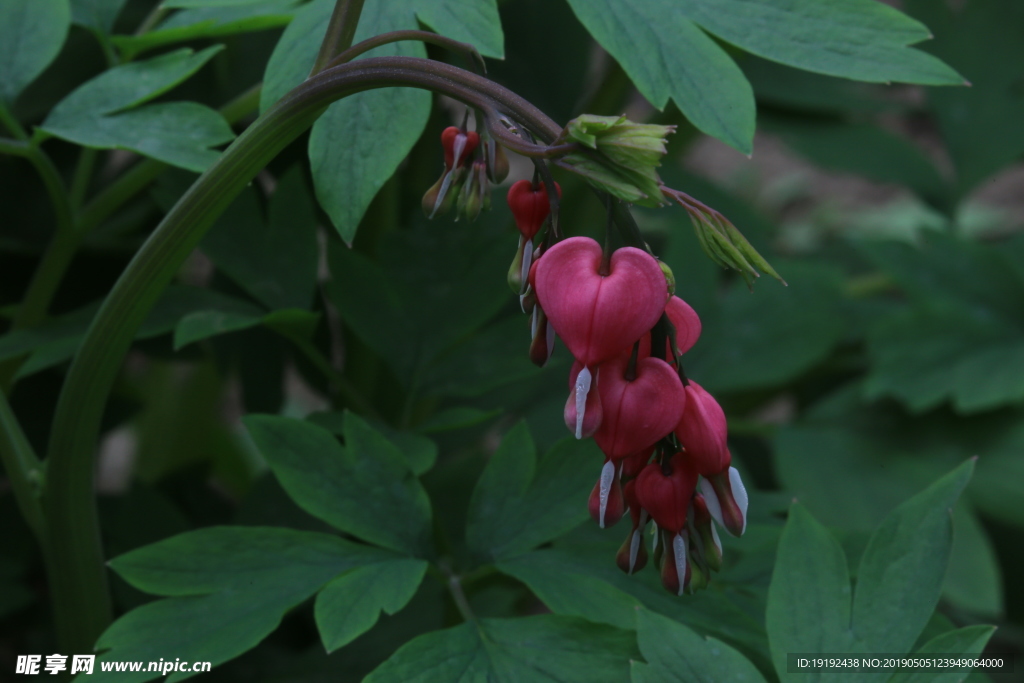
665,490
726,498
703,430
638,411
458,144
599,316
530,205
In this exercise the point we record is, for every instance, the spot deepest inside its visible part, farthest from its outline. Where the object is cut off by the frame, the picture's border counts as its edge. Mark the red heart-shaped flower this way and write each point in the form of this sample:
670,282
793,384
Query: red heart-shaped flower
599,316
637,412
665,492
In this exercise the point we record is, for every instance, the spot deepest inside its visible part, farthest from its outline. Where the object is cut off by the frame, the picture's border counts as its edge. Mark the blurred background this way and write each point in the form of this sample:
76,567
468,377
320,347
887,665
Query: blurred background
896,351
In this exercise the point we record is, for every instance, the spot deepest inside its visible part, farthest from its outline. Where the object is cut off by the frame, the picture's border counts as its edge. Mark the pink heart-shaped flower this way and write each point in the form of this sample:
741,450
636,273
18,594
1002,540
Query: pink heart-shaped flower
599,316
637,412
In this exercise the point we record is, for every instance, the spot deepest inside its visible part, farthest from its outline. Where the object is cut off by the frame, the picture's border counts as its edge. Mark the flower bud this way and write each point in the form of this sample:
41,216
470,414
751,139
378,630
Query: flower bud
702,431
726,498
710,543
530,205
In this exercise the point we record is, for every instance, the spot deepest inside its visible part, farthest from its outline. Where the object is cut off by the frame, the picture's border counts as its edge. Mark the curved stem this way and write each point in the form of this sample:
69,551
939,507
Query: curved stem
422,36
23,468
77,574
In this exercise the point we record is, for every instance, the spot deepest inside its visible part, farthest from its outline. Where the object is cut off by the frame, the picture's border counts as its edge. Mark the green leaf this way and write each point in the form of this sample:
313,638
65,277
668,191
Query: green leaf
175,4
809,596
512,511
56,340
980,125
668,56
545,649
350,604
221,626
967,641
427,291
582,579
419,452
859,39
357,144
973,581
566,588
231,587
485,362
961,339
211,21
32,33
772,335
364,488
178,133
902,570
97,15
272,259
945,351
216,559
128,85
471,21
675,653
205,324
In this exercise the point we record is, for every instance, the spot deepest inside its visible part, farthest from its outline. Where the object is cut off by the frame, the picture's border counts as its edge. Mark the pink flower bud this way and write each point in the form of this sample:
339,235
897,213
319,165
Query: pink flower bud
599,316
638,411
702,431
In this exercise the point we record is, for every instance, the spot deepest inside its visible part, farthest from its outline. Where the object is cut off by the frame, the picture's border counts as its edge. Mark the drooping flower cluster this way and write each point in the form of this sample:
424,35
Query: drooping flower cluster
471,164
663,436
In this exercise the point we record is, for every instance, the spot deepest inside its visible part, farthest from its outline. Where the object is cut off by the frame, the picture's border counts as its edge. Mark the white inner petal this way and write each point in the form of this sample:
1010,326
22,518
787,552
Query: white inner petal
550,339
445,184
524,273
634,549
533,323
582,389
679,554
739,494
711,498
607,479
715,538
459,146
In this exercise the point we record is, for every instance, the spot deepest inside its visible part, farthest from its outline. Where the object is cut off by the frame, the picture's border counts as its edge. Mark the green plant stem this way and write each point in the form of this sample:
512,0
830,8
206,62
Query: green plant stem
23,468
12,124
78,580
422,36
83,174
341,31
